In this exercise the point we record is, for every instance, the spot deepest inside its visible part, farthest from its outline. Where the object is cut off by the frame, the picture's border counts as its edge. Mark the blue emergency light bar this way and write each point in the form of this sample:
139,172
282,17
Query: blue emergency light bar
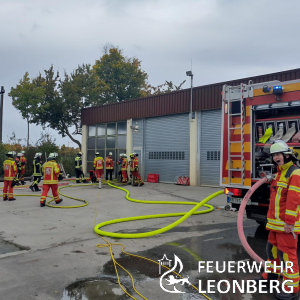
277,90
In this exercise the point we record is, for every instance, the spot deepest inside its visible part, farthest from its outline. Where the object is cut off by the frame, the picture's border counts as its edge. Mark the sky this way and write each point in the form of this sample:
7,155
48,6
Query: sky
219,39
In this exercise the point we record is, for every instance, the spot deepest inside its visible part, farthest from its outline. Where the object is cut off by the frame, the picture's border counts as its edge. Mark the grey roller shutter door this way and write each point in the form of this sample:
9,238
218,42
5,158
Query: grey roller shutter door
167,142
210,146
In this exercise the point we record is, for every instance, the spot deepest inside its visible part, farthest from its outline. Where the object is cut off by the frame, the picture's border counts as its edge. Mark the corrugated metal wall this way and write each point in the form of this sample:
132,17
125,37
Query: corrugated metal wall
163,137
204,97
138,135
209,127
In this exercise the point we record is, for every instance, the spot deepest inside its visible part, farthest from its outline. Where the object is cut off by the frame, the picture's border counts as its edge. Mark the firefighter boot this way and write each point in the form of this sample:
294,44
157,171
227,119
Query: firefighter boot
31,187
11,199
23,182
43,203
37,189
58,201
5,198
286,296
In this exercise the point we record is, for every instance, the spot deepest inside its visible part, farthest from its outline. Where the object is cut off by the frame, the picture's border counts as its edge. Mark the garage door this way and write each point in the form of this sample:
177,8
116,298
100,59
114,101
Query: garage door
167,146
210,145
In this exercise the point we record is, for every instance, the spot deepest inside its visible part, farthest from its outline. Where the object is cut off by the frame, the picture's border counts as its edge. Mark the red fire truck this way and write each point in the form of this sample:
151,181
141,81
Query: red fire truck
253,116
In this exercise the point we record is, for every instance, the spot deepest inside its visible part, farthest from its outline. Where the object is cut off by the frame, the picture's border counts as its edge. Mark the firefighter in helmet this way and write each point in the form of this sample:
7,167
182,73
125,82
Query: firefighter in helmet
10,171
134,168
98,165
52,175
19,168
109,163
124,168
37,172
283,219
78,168
23,164
119,164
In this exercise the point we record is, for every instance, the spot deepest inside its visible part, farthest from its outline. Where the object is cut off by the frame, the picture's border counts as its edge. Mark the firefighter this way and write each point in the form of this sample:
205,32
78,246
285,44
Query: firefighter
124,168
119,163
135,168
52,175
98,165
10,171
109,166
23,164
78,168
19,168
283,219
37,172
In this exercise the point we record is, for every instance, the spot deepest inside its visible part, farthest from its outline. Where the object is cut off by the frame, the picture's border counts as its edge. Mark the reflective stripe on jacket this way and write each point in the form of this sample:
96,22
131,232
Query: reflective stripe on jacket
109,163
98,162
134,164
78,162
18,163
10,169
37,167
51,172
284,204
124,164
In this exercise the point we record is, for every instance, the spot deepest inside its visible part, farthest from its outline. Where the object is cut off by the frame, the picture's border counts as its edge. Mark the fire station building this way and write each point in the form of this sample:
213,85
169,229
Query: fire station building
170,139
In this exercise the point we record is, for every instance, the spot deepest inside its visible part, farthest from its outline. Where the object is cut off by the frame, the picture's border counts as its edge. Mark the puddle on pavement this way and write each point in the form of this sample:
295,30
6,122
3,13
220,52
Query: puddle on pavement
92,289
7,247
220,246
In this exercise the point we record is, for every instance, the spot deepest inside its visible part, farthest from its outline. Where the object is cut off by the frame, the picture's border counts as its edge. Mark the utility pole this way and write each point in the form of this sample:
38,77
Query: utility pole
27,127
2,91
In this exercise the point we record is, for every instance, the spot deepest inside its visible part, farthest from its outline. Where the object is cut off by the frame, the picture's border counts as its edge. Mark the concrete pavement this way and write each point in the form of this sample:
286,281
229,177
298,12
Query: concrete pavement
58,246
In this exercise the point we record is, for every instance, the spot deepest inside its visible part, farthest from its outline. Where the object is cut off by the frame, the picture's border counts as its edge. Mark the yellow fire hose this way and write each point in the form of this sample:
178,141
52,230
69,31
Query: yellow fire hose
185,215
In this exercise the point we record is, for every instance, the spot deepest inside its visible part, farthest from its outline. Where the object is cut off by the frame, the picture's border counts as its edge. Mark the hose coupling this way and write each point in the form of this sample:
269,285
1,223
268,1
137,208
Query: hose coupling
270,177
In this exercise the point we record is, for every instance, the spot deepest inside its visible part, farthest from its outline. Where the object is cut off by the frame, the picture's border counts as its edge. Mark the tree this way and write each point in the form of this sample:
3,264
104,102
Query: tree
59,102
166,87
123,77
25,97
55,102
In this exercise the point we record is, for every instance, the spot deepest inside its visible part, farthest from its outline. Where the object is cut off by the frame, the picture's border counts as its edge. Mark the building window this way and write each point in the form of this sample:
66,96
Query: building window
122,128
174,155
110,142
111,129
105,138
101,130
213,155
91,143
92,130
121,141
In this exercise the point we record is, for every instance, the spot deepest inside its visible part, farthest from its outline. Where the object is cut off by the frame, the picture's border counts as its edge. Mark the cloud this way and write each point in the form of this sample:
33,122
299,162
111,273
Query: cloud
225,39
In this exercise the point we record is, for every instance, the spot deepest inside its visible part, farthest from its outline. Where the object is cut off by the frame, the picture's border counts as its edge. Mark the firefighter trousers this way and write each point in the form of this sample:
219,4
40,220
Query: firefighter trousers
282,248
124,176
137,175
46,188
110,172
22,174
36,181
79,175
99,173
7,186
